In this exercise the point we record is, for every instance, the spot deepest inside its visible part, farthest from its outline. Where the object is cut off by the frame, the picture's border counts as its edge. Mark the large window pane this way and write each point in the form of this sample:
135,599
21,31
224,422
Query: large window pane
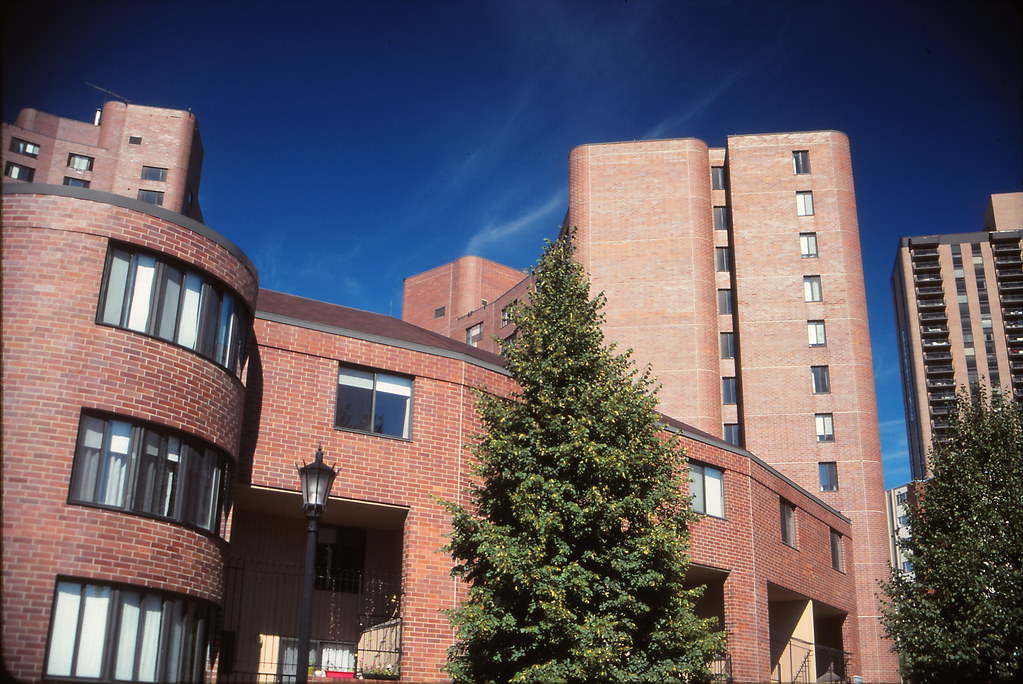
188,328
169,302
117,283
88,460
391,414
142,292
96,605
63,629
355,399
714,488
130,609
152,611
115,465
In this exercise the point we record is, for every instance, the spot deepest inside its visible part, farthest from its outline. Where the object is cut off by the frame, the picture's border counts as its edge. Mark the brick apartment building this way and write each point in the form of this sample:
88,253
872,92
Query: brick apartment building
736,274
156,402
948,341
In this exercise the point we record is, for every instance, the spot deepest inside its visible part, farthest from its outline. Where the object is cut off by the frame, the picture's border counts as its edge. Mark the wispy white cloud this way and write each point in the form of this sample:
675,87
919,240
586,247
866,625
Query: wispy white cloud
494,234
679,120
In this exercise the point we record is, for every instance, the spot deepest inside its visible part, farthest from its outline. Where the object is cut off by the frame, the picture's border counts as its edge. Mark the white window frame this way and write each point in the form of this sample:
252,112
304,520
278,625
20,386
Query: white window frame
816,333
473,334
808,245
824,424
378,383
80,162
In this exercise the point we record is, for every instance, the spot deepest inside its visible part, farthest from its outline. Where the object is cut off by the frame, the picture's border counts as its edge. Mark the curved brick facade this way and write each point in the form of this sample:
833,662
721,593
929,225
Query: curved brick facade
57,363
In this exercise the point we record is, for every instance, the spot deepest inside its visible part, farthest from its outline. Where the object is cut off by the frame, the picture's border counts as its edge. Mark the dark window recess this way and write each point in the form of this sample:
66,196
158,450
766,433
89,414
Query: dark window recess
29,149
340,558
134,140
439,312
717,177
79,162
19,172
76,182
801,161
828,474
788,523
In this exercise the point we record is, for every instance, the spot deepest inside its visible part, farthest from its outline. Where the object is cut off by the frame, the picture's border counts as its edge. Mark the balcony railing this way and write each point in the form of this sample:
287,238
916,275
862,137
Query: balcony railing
934,315
930,291
925,253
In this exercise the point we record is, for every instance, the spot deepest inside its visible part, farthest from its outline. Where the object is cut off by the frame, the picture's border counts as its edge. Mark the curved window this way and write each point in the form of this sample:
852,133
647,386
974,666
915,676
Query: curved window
148,470
116,632
162,298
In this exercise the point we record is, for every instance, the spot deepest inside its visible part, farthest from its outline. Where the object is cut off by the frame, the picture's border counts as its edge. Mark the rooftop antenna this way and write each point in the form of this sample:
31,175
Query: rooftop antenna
121,98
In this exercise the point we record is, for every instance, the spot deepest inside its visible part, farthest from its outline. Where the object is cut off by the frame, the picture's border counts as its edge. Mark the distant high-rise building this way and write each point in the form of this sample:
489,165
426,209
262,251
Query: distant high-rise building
899,500
959,317
736,274
146,153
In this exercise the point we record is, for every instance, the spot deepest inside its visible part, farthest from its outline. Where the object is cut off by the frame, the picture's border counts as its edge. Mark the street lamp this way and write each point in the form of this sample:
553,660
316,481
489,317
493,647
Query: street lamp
317,478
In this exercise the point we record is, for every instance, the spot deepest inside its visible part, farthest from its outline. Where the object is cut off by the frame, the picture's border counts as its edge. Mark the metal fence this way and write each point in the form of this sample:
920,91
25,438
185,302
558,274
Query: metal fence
355,630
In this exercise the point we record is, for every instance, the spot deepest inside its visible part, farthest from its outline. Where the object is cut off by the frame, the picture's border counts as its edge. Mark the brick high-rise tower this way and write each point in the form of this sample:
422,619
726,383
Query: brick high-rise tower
959,316
736,274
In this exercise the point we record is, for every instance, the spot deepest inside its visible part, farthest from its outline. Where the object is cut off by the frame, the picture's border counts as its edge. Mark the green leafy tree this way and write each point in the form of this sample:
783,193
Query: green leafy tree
576,537
958,616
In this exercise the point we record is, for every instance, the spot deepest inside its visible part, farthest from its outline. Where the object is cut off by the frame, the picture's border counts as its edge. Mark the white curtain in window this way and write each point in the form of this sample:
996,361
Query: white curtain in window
174,612
92,641
188,328
170,475
63,629
152,611
87,463
130,608
804,203
142,291
337,657
112,484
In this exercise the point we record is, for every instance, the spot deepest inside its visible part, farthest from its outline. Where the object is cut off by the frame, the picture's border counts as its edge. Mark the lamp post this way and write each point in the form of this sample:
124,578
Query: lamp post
317,478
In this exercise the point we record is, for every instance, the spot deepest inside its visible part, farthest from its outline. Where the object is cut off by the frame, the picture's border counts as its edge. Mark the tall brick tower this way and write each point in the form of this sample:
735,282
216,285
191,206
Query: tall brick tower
736,274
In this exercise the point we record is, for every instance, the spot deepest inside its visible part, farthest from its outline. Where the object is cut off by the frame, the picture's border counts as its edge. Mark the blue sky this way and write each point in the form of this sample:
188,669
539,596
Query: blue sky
351,144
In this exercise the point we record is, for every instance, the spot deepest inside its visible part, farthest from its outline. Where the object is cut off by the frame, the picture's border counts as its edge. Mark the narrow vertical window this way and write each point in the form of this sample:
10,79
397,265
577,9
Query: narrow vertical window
816,334
825,426
788,522
801,162
837,557
821,378
473,334
722,259
725,302
720,218
729,391
804,203
812,288
707,488
827,472
732,433
727,345
808,245
717,177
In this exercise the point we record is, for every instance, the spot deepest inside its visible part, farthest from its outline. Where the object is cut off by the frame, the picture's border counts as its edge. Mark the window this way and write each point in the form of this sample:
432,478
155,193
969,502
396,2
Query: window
720,218
707,488
825,427
134,140
717,177
323,655
725,302
722,260
439,312
29,149
801,161
901,498
154,173
812,288
816,334
107,632
76,182
151,197
157,297
808,245
729,391
79,162
732,433
19,172
821,379
340,558
827,471
507,313
473,334
374,402
728,345
149,470
804,204
837,558
788,523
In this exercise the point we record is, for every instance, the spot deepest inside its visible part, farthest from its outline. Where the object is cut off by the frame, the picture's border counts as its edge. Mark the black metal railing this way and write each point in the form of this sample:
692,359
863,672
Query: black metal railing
356,623
832,664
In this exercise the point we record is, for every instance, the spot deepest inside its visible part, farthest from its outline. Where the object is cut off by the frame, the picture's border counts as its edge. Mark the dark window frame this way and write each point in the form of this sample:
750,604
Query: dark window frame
154,173
789,527
154,197
820,378
801,162
718,179
21,146
75,156
193,460
837,551
827,475
373,418
729,390
73,182
727,345
27,170
698,478
726,302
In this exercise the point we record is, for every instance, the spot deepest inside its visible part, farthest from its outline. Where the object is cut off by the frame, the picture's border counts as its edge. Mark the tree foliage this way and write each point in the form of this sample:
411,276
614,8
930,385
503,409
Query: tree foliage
575,539
958,616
